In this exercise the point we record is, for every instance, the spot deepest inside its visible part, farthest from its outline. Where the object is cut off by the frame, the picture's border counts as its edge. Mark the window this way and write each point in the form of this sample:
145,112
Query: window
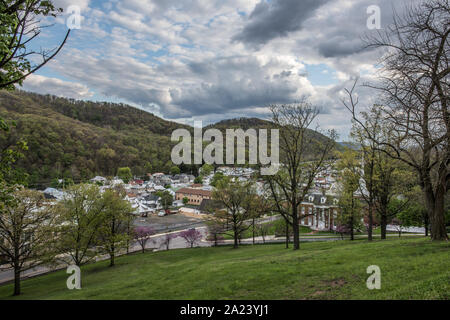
323,200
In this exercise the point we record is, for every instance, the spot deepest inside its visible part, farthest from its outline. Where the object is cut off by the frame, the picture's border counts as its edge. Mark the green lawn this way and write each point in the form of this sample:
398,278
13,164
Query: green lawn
306,232
410,269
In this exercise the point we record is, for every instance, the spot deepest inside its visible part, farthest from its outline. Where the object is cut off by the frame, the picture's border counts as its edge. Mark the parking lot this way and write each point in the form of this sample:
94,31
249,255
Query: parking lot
171,222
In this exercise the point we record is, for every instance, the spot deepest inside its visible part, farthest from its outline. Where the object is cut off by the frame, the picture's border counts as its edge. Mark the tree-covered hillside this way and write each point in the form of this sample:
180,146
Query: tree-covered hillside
77,140
80,139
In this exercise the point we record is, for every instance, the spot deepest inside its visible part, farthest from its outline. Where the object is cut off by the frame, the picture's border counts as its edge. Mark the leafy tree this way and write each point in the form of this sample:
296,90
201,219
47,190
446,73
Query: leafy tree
125,174
369,154
166,199
198,180
116,214
175,170
407,214
206,169
27,233
185,200
191,236
238,201
19,32
350,206
79,219
218,176
148,168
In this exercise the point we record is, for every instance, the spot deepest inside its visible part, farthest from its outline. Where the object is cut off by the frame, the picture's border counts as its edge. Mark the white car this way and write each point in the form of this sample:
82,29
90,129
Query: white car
161,214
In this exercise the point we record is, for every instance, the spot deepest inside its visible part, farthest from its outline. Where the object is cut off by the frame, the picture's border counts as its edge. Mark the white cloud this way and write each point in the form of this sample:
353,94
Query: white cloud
56,87
179,57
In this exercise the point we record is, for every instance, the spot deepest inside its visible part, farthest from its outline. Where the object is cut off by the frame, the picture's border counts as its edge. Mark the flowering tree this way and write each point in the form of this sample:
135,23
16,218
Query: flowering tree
142,236
342,229
167,239
191,236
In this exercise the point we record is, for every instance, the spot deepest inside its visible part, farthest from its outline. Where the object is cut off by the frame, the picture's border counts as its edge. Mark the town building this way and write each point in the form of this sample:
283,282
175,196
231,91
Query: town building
195,196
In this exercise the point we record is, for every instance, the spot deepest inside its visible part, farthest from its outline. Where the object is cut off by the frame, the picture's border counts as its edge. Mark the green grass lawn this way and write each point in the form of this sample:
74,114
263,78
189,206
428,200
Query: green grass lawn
306,232
410,269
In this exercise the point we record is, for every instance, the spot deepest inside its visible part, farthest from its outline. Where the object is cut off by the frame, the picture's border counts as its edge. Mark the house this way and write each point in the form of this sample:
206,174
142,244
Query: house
53,194
116,182
321,210
195,196
152,201
99,179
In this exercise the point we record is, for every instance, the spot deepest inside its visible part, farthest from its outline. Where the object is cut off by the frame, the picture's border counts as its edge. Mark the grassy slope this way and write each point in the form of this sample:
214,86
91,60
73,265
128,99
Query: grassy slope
411,269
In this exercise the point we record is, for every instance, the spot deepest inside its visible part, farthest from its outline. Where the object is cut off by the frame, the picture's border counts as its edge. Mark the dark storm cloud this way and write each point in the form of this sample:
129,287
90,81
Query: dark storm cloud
276,19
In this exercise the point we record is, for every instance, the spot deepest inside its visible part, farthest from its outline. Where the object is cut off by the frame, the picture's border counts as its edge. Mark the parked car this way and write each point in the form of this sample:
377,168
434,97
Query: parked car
161,214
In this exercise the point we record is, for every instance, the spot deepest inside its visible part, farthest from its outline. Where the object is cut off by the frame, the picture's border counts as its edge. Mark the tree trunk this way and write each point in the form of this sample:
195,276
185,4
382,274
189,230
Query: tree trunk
383,224
287,235
438,230
426,222
295,227
112,254
236,240
253,230
16,281
435,206
352,228
370,226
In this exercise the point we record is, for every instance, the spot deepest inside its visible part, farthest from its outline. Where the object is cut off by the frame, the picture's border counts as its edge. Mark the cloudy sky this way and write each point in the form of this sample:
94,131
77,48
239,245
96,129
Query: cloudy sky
214,59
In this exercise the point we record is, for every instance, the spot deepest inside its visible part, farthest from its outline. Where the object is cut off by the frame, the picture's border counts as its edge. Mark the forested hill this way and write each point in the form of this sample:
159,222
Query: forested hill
80,139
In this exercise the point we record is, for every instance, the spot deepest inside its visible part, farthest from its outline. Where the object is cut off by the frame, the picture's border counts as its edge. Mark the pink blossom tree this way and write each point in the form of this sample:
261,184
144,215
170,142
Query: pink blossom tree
167,239
342,229
191,236
142,236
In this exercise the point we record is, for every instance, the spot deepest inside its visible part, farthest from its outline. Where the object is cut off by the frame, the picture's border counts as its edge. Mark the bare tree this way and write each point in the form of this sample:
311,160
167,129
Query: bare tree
20,29
414,82
303,155
27,236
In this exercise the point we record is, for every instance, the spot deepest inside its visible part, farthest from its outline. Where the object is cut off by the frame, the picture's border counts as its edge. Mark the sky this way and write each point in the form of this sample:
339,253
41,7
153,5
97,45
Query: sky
209,60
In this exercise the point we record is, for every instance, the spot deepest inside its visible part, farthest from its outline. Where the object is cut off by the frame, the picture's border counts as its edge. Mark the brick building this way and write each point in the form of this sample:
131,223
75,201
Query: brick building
195,196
